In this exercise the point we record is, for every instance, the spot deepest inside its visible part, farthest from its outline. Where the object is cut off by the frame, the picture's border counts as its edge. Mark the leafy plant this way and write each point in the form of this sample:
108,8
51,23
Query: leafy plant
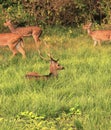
75,110
50,12
29,115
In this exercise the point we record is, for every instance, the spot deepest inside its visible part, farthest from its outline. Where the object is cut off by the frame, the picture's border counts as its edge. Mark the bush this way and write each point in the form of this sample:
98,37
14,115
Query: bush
52,12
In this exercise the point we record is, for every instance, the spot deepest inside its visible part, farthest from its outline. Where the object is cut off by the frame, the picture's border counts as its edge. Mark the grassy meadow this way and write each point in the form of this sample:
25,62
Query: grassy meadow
79,99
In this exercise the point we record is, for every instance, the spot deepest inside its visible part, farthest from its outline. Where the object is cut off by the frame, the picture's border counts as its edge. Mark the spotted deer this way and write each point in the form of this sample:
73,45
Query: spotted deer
14,42
98,36
33,31
54,67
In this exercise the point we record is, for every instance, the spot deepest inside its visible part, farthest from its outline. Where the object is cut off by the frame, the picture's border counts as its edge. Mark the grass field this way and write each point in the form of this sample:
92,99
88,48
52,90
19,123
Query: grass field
80,99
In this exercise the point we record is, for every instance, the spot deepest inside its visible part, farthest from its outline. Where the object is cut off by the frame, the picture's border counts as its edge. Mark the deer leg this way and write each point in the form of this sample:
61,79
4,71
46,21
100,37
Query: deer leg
99,43
20,49
95,43
37,41
14,51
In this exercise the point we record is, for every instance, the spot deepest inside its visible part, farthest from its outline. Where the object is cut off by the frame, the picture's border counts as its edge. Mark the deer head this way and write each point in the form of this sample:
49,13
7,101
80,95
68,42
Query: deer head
54,65
87,26
7,23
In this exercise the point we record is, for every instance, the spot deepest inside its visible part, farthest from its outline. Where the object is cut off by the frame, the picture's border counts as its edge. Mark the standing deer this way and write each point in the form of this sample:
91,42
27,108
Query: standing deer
26,31
14,42
99,35
54,67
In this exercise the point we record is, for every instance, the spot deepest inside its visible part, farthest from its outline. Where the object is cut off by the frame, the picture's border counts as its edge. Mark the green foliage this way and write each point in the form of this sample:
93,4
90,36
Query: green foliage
29,115
52,12
16,12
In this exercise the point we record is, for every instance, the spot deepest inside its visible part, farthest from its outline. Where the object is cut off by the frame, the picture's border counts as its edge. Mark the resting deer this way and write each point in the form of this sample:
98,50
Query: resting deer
14,42
26,31
99,35
54,67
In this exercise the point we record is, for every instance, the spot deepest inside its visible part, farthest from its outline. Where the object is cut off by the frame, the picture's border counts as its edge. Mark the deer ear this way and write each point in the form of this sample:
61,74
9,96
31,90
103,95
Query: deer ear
7,20
51,61
90,24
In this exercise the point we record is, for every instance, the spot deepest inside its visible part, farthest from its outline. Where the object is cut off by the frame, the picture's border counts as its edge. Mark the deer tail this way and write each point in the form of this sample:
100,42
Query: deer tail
22,42
19,43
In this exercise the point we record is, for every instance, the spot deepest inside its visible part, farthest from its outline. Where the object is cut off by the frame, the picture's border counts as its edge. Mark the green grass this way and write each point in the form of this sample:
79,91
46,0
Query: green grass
78,100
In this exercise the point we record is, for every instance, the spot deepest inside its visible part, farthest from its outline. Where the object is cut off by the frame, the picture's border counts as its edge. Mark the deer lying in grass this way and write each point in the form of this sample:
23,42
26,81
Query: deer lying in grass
14,42
33,31
54,67
99,35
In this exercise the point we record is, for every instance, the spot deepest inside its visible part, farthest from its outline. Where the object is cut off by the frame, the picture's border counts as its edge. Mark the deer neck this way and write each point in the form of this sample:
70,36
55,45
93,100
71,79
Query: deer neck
12,29
53,71
89,31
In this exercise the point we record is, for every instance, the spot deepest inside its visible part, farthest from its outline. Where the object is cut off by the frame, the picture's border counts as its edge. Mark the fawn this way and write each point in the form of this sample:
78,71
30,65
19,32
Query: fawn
99,35
33,31
54,67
